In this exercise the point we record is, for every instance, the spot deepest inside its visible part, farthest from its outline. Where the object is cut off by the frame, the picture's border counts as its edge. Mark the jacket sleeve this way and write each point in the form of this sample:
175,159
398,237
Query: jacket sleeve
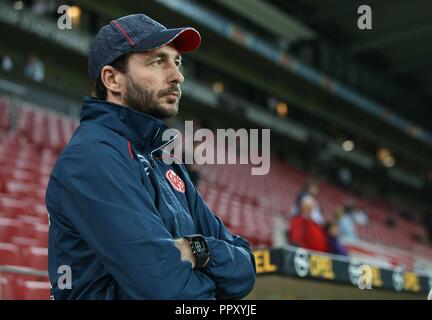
232,263
296,232
107,203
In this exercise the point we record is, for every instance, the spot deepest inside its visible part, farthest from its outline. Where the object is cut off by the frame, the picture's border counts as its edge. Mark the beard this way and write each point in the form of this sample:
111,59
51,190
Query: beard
146,101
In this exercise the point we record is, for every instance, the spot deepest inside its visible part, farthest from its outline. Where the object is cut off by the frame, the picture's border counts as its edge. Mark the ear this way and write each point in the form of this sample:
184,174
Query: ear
113,80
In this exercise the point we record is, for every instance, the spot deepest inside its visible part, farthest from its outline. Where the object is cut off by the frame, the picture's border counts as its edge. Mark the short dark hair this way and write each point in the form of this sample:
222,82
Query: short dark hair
99,89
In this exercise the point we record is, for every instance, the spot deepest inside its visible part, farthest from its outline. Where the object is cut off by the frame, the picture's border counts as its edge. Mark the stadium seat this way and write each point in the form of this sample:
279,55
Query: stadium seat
43,219
37,231
10,254
23,242
36,257
10,228
17,286
36,290
11,207
7,288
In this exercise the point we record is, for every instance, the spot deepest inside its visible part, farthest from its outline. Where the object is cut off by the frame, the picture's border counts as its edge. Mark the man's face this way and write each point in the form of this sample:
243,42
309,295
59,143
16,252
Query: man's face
314,189
152,82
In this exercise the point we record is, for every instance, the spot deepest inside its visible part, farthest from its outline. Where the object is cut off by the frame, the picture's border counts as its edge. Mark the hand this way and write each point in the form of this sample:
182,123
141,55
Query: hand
185,251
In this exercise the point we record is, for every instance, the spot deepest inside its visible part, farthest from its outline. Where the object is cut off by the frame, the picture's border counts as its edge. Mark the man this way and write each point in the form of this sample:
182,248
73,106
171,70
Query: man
305,232
128,225
307,199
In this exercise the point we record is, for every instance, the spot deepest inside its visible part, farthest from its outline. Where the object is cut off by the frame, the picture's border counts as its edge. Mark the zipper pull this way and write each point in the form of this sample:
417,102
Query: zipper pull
152,161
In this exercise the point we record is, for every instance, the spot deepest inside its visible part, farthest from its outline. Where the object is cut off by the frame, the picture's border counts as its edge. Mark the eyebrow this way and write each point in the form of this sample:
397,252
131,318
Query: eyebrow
163,55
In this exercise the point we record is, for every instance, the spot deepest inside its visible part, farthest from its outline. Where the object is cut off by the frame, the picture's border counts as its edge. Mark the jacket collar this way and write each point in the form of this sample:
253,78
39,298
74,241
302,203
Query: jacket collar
140,128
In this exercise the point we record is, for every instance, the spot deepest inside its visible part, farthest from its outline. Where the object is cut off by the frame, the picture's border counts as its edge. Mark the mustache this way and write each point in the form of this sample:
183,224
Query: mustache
174,89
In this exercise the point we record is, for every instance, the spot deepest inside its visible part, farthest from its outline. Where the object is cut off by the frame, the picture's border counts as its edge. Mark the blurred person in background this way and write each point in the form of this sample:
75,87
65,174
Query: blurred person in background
392,218
358,215
45,7
333,237
6,63
130,225
345,177
280,230
304,231
35,68
346,223
308,194
339,174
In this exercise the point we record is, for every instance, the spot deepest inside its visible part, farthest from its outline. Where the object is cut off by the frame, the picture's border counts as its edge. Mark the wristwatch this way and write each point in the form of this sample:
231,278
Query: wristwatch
200,249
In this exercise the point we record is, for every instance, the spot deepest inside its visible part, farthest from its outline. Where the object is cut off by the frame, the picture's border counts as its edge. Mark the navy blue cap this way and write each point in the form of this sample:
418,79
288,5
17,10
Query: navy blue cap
136,33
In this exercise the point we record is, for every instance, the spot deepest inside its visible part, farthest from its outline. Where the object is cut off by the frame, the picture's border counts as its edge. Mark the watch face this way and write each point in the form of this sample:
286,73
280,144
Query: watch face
200,250
199,247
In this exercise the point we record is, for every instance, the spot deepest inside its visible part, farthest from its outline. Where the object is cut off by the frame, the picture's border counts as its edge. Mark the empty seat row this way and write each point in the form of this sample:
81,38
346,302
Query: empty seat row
24,255
24,287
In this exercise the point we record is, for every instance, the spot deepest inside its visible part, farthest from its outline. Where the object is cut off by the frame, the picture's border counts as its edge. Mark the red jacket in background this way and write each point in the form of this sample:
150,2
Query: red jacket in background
308,234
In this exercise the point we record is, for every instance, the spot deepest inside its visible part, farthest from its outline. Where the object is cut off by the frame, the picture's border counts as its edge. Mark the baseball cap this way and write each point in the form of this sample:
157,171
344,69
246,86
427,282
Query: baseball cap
136,33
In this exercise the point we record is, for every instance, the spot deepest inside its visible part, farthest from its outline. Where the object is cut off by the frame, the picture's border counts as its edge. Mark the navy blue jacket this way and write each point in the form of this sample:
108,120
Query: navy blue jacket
114,216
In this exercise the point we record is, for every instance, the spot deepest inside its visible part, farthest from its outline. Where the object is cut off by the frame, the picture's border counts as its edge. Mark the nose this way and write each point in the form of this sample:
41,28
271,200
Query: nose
176,77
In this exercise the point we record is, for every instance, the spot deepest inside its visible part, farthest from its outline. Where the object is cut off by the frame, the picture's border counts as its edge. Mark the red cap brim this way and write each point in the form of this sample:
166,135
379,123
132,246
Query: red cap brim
187,40
184,39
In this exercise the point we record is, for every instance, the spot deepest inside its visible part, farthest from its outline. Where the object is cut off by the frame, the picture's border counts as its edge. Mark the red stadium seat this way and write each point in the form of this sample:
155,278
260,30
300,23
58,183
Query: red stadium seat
8,288
10,254
10,228
37,231
12,207
17,286
25,242
24,190
36,257
43,219
36,290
